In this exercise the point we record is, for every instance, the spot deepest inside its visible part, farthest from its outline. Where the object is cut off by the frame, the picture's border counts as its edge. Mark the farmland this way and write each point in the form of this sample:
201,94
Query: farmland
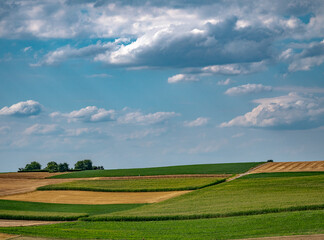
290,223
140,185
254,205
223,168
240,195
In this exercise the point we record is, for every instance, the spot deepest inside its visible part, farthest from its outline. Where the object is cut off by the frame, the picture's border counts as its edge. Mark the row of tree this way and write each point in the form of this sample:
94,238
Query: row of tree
61,167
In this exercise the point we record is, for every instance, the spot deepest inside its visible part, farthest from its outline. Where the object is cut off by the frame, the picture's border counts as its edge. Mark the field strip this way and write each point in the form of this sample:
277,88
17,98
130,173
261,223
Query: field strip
21,223
294,237
310,166
164,176
10,186
84,197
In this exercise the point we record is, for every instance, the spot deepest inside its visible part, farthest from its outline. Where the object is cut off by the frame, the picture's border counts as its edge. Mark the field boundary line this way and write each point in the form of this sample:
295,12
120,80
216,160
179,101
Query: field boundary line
246,173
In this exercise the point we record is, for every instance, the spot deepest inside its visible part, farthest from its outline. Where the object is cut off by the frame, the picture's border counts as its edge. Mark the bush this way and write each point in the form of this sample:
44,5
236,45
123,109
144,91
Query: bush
270,160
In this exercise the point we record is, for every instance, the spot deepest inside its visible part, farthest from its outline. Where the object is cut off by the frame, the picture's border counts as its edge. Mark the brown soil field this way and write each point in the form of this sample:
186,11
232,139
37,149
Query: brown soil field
311,166
86,197
10,186
28,175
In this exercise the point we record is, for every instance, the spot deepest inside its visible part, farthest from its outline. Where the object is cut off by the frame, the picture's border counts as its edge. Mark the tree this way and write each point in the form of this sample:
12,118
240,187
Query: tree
63,167
83,165
52,167
87,164
33,166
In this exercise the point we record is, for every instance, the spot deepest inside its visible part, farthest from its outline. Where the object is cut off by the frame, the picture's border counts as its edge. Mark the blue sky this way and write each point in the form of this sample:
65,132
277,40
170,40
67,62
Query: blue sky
156,83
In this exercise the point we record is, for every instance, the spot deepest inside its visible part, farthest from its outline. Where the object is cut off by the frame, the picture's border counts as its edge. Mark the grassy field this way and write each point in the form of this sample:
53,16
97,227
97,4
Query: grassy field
138,185
223,168
278,224
238,197
17,209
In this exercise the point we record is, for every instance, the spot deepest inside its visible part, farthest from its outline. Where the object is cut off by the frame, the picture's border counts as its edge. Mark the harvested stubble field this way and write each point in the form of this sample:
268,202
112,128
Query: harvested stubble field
84,197
22,182
291,167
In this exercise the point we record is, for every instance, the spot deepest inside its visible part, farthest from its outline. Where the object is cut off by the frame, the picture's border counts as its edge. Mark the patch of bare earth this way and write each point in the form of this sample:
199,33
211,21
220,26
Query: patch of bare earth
87,197
311,166
22,223
294,237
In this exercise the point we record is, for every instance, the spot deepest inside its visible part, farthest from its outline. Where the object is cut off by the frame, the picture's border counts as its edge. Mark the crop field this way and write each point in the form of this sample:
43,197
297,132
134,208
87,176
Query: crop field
291,167
254,205
85,197
274,224
241,196
223,168
139,185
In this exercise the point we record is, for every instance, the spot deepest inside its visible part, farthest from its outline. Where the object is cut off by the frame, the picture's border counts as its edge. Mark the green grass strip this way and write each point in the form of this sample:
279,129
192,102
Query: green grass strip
98,189
221,168
202,216
33,215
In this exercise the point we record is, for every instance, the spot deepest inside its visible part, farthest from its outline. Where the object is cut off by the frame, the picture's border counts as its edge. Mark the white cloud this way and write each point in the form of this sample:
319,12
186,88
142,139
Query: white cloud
312,55
235,68
43,129
225,82
291,112
248,89
182,78
208,147
87,114
142,119
82,132
142,134
99,75
26,49
197,122
22,109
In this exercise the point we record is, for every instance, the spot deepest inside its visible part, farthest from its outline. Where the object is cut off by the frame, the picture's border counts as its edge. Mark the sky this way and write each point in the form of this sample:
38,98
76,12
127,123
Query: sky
157,83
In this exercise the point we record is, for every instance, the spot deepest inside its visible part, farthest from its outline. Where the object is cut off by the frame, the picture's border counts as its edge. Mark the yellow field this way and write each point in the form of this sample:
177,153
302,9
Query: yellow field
311,166
86,197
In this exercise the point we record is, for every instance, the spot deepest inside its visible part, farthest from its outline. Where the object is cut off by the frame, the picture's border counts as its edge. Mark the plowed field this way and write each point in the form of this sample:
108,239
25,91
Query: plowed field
83,197
311,166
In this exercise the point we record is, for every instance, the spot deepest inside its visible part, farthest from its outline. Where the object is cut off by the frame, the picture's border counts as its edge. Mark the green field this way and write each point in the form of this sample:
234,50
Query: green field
281,174
138,185
222,168
44,211
274,224
238,197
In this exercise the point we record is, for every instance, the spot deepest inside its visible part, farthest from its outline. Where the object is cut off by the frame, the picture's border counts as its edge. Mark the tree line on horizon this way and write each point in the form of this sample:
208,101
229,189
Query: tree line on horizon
60,167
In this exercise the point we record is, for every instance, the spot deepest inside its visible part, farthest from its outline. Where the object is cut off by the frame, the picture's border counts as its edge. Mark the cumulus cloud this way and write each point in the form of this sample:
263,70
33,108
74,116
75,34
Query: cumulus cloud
22,109
311,56
182,78
248,89
293,111
146,119
43,129
197,122
87,114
